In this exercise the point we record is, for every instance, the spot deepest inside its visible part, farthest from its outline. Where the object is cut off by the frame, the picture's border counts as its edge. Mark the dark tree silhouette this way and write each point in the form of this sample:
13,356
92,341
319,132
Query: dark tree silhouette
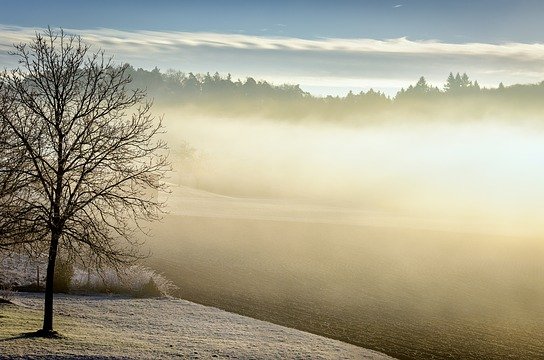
79,156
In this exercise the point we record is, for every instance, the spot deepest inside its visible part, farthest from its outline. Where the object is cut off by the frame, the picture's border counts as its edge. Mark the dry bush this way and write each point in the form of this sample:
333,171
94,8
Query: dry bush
135,280
64,272
19,271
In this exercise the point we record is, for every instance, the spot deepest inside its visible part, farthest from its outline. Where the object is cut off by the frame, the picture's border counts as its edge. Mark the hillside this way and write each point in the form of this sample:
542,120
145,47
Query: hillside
114,327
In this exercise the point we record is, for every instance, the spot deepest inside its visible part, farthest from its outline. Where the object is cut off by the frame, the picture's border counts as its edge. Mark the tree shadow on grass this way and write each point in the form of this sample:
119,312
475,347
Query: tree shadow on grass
35,334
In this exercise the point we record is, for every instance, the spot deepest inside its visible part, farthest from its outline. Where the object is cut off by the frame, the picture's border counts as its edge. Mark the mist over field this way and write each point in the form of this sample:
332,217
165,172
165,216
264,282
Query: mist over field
482,176
382,235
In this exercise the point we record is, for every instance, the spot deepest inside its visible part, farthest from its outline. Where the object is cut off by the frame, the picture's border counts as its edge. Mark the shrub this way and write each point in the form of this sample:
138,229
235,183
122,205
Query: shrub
19,271
150,289
64,271
133,281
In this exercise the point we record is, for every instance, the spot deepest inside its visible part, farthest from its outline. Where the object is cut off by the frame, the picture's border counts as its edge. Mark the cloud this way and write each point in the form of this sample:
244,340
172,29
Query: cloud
296,58
397,6
250,42
141,39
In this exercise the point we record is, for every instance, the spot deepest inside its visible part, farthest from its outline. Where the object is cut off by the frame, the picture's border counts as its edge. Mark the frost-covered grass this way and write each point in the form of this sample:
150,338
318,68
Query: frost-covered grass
135,280
19,270
117,327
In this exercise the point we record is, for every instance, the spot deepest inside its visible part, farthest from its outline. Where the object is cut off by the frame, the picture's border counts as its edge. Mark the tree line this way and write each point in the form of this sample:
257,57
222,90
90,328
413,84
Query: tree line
459,96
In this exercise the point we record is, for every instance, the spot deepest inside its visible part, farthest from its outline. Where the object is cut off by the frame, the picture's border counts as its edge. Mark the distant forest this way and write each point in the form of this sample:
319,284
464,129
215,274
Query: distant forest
459,98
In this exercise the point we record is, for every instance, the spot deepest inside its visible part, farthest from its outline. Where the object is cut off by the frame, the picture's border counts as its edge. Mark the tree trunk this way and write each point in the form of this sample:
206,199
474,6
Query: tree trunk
48,307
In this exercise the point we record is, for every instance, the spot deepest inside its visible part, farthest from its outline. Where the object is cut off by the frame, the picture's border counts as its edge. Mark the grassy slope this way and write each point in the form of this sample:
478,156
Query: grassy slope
150,328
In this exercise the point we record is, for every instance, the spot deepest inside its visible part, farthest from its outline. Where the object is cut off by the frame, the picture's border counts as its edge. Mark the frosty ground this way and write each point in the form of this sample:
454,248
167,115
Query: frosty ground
115,327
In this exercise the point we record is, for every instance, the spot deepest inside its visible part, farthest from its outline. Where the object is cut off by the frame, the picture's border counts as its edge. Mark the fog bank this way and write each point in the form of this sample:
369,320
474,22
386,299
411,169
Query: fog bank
467,176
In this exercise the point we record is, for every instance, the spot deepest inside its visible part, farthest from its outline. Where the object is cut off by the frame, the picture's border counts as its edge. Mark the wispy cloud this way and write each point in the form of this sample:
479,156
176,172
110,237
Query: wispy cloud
287,57
141,39
249,42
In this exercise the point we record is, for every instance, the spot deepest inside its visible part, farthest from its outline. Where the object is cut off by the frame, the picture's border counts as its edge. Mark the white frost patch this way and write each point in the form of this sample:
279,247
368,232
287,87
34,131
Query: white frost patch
20,269
169,328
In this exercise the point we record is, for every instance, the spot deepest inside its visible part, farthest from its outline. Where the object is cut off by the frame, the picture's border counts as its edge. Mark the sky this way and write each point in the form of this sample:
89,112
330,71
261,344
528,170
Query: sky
328,47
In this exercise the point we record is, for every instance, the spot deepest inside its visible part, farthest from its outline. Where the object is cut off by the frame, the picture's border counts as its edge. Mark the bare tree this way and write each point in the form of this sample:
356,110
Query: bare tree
80,155
16,185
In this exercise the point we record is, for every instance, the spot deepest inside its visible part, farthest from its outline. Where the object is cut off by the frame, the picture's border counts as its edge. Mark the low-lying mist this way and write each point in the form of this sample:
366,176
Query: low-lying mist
419,239
468,176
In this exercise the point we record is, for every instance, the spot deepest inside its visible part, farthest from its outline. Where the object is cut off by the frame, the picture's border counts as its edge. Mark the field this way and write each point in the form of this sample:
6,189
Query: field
101,327
413,294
